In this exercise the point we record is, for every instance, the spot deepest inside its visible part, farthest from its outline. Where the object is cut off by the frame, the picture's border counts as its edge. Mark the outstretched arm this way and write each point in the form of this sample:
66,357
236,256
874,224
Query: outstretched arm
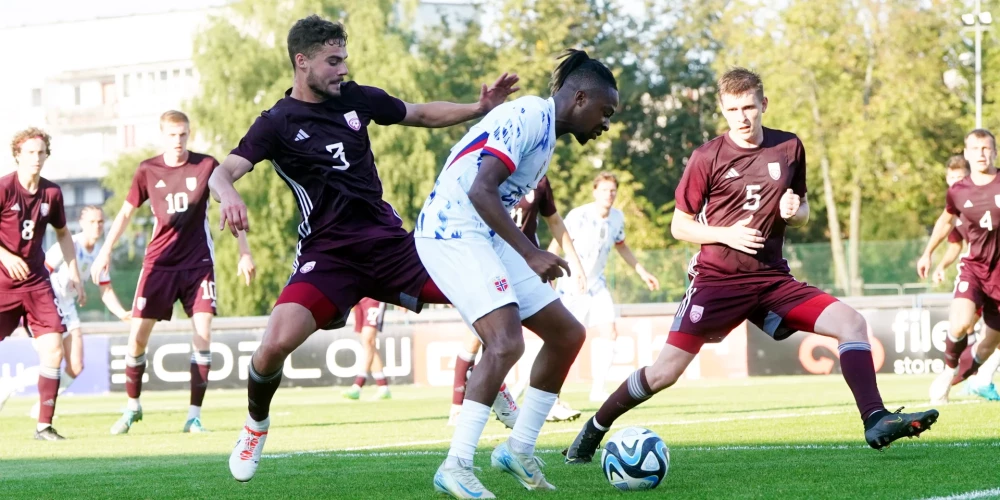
950,255
945,223
231,205
245,267
102,263
626,253
445,114
65,239
112,303
562,238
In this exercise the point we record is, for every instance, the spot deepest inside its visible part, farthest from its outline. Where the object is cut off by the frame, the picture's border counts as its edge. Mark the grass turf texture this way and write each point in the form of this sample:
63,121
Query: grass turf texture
781,437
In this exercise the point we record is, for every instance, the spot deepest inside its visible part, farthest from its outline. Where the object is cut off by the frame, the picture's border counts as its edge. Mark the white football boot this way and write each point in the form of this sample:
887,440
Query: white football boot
245,457
526,468
505,407
942,385
459,482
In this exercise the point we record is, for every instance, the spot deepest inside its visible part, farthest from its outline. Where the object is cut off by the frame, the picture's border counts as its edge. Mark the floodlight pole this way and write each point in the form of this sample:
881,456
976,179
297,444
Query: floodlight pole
979,66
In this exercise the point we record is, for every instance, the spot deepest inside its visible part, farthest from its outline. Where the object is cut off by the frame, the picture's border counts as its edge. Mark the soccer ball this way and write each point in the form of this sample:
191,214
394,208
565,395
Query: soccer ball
635,459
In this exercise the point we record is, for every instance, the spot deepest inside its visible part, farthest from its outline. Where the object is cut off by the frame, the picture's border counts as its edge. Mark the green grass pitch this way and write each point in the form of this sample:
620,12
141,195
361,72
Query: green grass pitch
781,437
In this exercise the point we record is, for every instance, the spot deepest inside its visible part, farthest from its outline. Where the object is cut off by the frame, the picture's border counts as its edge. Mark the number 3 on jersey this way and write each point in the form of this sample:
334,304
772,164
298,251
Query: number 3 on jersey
987,221
338,154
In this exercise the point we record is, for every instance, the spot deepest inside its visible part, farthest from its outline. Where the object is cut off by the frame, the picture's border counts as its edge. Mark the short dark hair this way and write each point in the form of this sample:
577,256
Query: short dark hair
739,81
578,69
981,133
957,162
309,34
605,176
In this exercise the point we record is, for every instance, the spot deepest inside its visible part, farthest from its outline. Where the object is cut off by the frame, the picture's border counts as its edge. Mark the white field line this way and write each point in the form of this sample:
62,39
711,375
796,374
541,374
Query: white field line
353,451
969,495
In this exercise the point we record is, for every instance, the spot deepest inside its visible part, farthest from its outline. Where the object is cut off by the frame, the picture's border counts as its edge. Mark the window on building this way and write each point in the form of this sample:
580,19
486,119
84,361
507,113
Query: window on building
177,73
76,95
108,93
126,81
163,75
79,194
188,72
36,97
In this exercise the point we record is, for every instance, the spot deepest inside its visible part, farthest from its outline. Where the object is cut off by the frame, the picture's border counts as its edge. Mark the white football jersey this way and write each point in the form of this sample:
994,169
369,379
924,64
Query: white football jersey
522,134
59,271
593,236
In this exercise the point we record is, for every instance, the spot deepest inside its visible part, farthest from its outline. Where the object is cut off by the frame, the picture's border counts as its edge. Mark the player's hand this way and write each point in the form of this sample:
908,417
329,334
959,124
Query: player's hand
495,95
126,316
938,275
741,237
651,282
233,211
246,268
100,267
788,205
81,294
548,266
16,267
923,264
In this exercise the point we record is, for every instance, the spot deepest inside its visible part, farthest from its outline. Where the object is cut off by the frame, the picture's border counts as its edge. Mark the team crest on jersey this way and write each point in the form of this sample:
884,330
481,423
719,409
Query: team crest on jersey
352,120
530,196
500,283
963,286
308,266
696,313
192,182
996,199
45,209
774,168
140,302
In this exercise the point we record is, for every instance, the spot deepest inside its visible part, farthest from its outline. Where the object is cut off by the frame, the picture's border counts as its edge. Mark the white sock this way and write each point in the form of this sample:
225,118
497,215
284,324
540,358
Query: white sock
133,404
986,372
65,380
41,427
258,426
536,407
194,412
601,359
599,426
470,427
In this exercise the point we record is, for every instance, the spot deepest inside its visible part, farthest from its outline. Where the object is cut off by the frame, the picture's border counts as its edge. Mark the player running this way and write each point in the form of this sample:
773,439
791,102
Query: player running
538,201
87,245
368,316
179,263
490,270
737,194
28,203
597,227
971,201
352,243
980,384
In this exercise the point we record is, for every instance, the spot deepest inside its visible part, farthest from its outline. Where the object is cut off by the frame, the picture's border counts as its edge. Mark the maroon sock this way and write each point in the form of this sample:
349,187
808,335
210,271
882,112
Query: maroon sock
462,369
260,390
953,350
135,367
360,379
859,371
201,364
380,379
48,389
968,367
634,390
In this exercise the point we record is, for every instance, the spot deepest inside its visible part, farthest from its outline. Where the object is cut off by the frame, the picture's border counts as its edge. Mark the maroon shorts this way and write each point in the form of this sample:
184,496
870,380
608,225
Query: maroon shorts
990,305
368,312
968,287
39,308
779,306
386,269
158,290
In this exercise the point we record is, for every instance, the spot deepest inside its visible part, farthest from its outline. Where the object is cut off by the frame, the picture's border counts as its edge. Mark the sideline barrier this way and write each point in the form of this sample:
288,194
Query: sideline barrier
907,335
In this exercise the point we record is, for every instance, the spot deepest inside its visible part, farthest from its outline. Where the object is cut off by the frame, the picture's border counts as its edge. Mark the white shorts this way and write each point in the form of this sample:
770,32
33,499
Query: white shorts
479,276
67,309
593,308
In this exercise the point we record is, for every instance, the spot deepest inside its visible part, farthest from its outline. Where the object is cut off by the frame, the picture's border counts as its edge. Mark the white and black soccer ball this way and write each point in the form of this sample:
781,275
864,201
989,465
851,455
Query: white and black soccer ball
635,459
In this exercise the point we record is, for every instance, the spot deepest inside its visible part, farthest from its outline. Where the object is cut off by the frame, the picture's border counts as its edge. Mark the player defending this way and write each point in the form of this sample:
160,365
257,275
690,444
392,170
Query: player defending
980,384
538,201
87,245
352,243
490,270
971,201
368,315
28,203
596,228
179,262
737,194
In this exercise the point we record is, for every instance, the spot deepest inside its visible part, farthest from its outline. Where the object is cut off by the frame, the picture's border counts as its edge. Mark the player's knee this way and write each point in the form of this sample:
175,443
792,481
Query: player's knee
660,377
853,328
74,369
506,348
574,338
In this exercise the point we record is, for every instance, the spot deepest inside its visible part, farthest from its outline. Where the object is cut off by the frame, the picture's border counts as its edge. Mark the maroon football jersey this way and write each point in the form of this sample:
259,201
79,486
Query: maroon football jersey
323,152
978,208
23,217
724,184
537,201
178,197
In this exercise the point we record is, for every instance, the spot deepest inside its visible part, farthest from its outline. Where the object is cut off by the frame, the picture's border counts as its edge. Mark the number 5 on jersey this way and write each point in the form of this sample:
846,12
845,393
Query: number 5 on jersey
753,197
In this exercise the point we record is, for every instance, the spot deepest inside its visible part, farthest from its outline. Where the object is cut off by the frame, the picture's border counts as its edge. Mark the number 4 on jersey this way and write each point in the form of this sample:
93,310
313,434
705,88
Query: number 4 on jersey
986,222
